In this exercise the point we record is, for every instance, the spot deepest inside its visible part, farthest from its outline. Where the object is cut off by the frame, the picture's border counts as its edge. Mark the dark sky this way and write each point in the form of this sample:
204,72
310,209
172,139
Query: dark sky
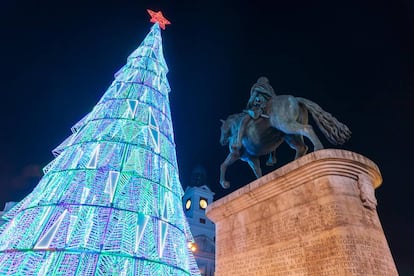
355,59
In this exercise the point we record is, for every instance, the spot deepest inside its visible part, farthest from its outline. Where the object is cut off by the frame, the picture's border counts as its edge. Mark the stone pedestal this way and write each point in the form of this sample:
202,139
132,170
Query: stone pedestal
315,216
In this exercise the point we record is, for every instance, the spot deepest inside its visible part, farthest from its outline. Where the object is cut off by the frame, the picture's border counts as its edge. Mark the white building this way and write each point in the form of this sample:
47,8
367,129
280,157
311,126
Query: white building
196,198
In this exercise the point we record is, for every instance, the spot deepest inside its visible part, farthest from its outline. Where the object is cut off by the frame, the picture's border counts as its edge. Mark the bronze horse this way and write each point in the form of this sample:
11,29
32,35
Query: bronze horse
287,121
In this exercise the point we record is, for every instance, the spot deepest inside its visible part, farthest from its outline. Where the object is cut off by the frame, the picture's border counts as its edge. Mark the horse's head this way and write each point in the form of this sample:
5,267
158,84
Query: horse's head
229,127
225,130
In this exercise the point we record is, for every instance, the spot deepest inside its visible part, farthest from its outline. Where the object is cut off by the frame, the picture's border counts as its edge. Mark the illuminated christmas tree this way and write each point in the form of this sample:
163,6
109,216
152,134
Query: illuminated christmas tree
110,202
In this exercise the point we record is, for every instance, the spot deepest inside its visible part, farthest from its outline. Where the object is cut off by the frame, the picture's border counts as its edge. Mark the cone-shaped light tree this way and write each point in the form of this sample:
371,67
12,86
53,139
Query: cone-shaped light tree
110,202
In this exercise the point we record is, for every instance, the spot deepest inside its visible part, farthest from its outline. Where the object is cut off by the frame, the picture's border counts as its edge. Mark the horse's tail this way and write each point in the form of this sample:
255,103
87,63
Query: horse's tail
336,132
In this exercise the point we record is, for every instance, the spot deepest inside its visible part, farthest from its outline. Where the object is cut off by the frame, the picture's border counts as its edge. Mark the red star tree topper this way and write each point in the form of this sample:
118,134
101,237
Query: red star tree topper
157,17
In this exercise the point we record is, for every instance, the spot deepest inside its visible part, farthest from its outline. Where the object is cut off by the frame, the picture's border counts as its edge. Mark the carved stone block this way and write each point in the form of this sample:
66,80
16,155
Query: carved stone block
315,216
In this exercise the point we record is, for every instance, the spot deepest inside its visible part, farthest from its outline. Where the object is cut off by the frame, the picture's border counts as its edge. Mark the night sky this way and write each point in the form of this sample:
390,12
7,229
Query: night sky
355,59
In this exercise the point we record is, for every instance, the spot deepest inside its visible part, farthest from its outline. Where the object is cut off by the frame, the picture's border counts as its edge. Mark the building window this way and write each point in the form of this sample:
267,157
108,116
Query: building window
203,203
202,221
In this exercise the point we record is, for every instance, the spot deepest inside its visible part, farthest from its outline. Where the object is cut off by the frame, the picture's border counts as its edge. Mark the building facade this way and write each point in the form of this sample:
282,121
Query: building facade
196,198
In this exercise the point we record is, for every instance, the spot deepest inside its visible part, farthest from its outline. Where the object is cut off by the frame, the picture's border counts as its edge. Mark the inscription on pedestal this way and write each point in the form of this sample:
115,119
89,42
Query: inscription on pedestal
328,255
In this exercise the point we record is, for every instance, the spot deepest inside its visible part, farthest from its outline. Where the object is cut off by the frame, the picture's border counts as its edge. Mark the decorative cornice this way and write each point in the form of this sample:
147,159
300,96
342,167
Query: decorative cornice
309,167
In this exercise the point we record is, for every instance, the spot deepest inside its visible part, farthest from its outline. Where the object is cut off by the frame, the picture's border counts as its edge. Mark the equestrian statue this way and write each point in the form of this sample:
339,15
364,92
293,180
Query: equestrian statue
270,120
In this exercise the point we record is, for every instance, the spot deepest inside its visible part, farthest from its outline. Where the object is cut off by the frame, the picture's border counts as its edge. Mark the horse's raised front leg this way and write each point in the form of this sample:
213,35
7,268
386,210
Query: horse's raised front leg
230,159
254,163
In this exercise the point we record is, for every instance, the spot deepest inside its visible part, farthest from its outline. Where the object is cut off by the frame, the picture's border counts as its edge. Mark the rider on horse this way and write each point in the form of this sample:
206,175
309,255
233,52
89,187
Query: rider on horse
260,93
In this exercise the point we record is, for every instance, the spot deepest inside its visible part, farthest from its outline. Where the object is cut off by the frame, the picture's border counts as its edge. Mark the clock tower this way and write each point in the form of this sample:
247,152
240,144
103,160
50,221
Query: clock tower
196,198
